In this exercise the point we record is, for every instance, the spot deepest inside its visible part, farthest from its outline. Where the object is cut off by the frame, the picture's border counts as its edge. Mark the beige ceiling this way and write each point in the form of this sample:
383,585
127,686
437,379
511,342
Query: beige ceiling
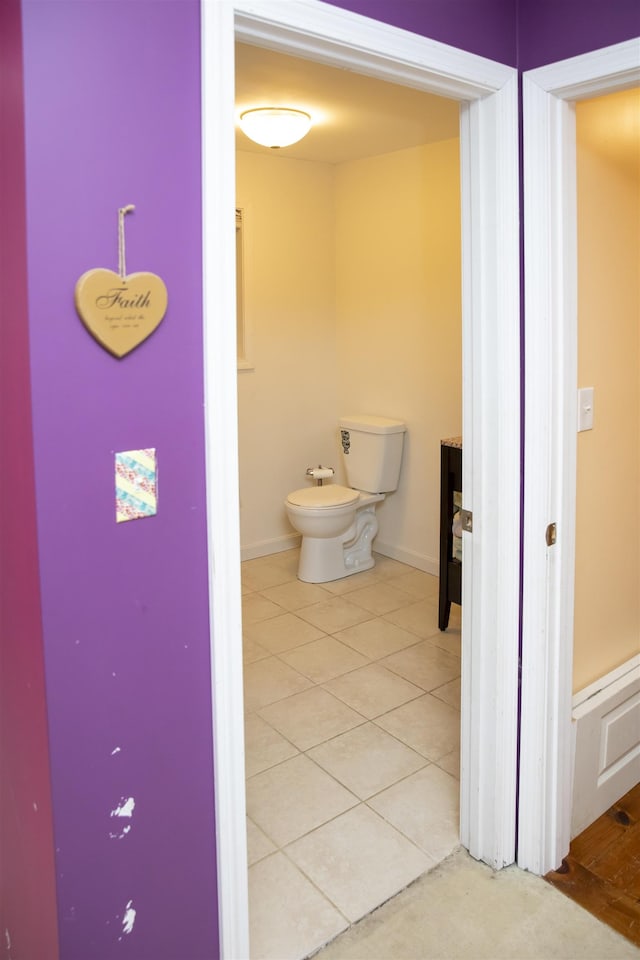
353,116
356,116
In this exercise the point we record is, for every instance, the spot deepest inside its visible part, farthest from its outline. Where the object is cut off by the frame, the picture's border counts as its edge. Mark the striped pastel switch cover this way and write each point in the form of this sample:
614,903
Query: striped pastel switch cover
136,484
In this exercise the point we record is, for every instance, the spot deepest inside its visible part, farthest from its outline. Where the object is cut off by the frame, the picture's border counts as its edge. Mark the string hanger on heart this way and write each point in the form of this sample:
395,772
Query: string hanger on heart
122,212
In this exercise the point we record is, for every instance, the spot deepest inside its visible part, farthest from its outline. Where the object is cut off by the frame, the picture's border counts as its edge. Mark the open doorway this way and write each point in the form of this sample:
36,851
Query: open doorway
488,97
352,299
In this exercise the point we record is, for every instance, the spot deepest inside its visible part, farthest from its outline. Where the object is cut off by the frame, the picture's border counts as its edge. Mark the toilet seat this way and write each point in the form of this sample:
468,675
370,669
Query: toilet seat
328,495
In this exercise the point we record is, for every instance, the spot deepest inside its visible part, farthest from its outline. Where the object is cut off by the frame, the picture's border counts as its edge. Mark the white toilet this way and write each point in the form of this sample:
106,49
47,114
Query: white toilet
338,523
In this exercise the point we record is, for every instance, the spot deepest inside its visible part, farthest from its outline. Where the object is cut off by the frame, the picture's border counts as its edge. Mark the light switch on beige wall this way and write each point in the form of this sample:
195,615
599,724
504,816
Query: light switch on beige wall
585,409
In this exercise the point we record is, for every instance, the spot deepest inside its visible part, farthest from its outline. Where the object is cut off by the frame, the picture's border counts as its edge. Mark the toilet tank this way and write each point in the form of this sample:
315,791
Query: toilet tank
372,452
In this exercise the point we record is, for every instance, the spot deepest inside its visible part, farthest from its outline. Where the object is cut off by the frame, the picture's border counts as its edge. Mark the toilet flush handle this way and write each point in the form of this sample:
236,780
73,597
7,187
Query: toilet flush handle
320,473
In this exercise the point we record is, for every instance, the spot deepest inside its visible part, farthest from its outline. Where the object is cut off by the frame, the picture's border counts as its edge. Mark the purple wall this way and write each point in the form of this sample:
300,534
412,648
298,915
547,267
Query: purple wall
526,33
112,116
485,27
27,876
551,30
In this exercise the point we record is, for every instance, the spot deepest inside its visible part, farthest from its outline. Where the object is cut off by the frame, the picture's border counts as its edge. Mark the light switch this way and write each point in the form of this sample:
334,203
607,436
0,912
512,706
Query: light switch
585,409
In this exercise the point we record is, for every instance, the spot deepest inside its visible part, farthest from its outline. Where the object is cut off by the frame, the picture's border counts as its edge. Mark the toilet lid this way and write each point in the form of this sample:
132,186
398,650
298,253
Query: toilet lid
328,495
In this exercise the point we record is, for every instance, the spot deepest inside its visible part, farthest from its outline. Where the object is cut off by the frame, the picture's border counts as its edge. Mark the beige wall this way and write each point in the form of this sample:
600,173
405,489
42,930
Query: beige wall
607,609
287,404
399,322
352,294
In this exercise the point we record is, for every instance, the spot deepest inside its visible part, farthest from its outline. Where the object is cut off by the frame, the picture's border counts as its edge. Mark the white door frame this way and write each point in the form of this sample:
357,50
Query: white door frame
491,402
546,748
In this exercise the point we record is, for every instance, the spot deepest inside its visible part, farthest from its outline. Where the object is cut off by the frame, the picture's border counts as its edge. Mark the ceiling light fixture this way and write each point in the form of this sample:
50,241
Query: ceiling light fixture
275,127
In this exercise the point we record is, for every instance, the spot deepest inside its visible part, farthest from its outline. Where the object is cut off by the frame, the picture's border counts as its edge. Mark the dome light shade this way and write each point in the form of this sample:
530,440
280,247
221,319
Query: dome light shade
275,126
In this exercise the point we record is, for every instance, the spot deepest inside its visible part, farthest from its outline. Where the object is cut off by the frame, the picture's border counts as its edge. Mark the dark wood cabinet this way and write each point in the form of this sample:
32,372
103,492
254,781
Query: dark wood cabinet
450,565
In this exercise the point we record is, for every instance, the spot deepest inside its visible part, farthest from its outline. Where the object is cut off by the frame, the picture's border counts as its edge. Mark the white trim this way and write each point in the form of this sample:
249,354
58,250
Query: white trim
590,74
321,32
550,439
629,666
265,548
607,743
491,401
491,475
418,560
245,362
221,443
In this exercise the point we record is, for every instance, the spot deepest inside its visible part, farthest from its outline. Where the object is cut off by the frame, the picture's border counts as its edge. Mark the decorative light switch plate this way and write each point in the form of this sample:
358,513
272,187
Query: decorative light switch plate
136,484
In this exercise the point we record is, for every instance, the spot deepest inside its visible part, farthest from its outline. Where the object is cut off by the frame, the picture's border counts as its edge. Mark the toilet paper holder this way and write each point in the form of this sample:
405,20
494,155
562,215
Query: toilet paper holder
320,473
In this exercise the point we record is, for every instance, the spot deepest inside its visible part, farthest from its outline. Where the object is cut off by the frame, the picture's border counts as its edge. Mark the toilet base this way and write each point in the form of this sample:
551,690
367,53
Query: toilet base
318,564
323,559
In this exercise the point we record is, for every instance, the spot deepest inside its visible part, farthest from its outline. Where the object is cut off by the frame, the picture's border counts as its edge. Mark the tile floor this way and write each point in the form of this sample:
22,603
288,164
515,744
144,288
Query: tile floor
352,705
462,910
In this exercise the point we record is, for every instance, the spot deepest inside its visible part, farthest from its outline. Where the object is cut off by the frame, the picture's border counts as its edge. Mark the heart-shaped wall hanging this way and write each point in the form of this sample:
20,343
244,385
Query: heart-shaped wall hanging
120,311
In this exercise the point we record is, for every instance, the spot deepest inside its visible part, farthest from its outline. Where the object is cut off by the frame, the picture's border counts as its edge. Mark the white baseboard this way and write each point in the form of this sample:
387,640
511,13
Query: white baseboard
263,548
418,560
606,726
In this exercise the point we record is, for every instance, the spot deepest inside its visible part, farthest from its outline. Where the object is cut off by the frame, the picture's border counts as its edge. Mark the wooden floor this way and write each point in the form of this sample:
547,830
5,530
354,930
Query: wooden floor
602,870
